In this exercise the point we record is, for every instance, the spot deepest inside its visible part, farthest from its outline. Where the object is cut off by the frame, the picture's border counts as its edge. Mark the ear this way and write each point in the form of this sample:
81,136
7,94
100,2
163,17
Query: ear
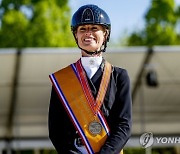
106,33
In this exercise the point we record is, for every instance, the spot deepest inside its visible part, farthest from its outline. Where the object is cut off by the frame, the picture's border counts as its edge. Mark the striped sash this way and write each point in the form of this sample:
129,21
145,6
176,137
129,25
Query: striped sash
74,92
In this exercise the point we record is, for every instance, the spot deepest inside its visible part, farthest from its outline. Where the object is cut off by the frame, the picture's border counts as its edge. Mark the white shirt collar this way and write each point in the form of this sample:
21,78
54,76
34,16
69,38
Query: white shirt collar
91,64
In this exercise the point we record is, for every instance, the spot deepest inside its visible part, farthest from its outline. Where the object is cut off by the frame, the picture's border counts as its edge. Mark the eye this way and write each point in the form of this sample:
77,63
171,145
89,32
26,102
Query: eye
94,28
82,29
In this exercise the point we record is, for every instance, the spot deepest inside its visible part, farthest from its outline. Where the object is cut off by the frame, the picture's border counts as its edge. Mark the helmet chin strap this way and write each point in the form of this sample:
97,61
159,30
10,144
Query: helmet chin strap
97,51
91,53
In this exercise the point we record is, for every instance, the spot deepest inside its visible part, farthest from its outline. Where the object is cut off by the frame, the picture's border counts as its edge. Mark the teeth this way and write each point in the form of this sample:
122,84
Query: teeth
88,39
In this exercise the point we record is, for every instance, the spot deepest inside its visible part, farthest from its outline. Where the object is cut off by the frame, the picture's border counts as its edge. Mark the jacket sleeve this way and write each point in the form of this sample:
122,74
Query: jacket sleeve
60,126
119,116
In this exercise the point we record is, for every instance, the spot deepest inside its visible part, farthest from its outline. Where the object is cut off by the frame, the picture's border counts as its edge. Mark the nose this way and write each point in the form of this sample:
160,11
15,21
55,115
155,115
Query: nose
88,31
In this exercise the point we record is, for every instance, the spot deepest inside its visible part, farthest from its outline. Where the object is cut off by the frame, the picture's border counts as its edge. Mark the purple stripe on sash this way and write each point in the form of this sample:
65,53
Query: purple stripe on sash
71,113
75,70
103,123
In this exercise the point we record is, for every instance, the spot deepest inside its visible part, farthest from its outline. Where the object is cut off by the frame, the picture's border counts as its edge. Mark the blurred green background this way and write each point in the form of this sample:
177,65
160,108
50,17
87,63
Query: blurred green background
46,23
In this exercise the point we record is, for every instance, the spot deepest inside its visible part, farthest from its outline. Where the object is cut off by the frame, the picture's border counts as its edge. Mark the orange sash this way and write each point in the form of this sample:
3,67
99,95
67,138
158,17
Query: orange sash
73,89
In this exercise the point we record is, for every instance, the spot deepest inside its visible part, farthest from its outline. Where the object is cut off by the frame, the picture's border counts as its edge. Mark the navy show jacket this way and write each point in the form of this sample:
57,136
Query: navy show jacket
116,108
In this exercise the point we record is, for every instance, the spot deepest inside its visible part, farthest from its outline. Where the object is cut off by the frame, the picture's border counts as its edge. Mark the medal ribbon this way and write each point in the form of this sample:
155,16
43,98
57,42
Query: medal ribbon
94,104
71,93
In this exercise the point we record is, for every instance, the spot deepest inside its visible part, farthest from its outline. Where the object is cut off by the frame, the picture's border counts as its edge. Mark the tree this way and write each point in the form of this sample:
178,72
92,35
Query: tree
160,29
35,23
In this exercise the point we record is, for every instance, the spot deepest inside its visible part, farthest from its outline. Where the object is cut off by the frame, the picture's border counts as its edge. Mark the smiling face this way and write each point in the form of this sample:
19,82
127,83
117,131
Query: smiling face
90,37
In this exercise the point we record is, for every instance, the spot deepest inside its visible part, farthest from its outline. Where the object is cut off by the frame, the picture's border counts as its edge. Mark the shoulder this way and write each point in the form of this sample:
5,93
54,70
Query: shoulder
120,76
62,70
120,72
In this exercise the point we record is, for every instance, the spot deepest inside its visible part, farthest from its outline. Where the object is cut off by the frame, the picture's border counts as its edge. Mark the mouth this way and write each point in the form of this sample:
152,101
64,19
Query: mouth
89,39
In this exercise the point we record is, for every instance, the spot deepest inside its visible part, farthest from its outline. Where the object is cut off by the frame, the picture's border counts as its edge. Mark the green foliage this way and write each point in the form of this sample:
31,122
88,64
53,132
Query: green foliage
161,21
161,12
48,26
136,39
162,150
13,31
165,150
134,151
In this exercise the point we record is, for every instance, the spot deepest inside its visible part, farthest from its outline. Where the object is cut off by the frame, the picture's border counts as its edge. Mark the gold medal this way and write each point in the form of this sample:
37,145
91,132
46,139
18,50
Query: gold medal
95,127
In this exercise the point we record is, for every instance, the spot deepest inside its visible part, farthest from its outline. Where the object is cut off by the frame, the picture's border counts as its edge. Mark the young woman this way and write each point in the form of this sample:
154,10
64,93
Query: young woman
90,106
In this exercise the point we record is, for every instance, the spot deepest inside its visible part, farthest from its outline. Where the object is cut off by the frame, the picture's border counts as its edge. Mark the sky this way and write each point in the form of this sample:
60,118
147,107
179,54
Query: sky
126,15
